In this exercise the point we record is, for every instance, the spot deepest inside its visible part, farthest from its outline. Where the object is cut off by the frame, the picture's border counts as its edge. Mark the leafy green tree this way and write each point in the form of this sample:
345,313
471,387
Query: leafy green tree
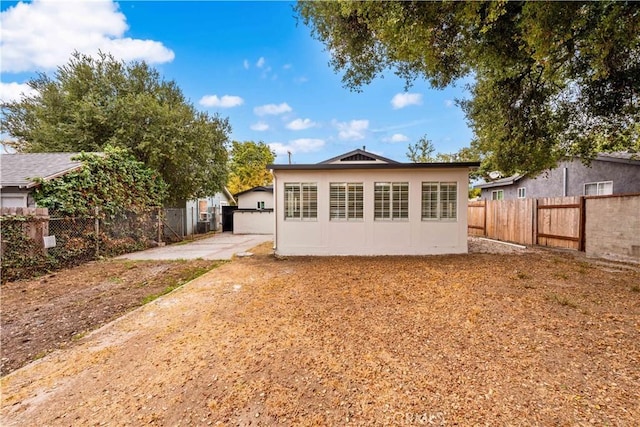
113,181
550,79
90,103
422,151
248,165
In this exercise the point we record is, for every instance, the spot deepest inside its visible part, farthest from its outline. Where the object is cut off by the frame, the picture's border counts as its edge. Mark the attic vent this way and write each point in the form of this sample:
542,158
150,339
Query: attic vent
358,158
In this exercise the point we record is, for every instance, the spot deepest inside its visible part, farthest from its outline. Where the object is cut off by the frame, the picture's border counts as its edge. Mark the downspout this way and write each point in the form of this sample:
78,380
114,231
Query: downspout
564,182
275,211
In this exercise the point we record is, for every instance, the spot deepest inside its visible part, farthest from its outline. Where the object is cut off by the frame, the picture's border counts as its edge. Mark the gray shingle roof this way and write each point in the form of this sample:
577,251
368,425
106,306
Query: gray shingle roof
19,170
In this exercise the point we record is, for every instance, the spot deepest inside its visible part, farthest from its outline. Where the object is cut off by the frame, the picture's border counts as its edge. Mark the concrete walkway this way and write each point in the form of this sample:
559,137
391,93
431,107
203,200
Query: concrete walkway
221,246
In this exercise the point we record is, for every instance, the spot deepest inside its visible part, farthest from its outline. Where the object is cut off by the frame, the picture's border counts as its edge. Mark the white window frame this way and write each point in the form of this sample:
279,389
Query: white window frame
497,194
300,201
346,201
260,205
439,202
600,188
391,201
522,193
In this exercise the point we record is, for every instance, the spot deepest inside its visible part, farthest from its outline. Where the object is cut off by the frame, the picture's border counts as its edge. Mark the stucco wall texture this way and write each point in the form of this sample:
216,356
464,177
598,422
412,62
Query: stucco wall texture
612,228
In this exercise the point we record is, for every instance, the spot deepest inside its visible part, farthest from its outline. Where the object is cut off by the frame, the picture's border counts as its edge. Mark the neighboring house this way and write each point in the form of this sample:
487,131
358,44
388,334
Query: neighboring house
360,203
205,214
255,211
609,173
18,172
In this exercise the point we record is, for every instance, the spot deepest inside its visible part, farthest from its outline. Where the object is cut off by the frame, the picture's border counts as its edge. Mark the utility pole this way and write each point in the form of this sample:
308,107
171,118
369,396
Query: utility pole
289,153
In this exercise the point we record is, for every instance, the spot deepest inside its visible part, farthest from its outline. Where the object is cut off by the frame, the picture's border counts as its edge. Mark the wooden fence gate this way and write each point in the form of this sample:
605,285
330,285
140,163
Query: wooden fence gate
552,221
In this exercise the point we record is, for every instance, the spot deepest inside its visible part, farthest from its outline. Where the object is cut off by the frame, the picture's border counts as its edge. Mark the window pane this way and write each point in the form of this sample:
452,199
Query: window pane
429,200
309,201
292,201
337,201
448,200
355,195
400,197
605,188
382,200
591,189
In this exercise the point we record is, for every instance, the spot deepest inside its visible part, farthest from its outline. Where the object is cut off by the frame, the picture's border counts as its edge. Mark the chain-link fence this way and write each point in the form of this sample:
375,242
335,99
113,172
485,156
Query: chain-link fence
33,245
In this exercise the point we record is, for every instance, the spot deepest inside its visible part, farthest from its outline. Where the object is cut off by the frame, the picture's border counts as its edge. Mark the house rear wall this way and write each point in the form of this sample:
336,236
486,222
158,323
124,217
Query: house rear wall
371,237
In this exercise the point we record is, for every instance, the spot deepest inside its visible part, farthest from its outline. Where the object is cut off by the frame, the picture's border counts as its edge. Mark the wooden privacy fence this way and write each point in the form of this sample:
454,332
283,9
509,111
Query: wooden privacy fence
552,221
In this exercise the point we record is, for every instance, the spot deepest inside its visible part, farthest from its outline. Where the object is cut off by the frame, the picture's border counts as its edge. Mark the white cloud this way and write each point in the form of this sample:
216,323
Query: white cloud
301,145
260,126
261,62
449,103
397,137
401,100
300,124
300,80
42,35
14,91
272,109
226,101
353,130
245,64
286,66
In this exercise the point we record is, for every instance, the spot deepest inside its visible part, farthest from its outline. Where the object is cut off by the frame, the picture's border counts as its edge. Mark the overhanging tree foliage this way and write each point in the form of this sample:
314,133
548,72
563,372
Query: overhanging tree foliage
248,162
90,103
550,79
114,182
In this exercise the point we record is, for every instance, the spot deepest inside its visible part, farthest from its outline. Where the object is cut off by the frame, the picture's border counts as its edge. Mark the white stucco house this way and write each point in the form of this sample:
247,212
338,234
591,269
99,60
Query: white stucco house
360,203
255,211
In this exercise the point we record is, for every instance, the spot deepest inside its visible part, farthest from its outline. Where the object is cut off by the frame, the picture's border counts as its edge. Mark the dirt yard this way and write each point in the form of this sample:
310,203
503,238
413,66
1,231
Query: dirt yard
53,311
515,337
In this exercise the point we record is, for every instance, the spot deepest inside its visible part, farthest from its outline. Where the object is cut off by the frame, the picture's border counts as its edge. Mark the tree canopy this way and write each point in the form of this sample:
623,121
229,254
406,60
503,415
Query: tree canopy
548,79
248,162
90,103
113,181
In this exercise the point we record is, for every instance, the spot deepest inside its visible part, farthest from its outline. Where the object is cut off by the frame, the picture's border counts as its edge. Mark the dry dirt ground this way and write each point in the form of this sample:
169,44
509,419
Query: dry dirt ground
518,337
53,311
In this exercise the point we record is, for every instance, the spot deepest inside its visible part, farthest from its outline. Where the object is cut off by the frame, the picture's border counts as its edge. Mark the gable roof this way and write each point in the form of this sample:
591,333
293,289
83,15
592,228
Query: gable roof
20,169
358,156
259,188
360,159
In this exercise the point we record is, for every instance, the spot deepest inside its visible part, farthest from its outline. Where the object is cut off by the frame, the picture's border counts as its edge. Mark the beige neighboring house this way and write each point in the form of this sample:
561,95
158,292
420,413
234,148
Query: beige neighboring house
361,203
18,172
254,214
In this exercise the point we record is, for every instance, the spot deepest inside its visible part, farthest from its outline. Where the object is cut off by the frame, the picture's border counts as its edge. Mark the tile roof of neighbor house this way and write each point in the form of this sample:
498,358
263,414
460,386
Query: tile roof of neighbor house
357,159
20,169
265,188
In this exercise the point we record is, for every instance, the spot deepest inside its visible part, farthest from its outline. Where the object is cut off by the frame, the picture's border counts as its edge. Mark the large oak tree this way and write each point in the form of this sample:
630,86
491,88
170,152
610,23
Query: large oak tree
548,79
90,103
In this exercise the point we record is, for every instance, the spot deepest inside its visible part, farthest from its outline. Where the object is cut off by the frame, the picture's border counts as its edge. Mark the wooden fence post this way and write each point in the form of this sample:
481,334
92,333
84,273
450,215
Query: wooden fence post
581,227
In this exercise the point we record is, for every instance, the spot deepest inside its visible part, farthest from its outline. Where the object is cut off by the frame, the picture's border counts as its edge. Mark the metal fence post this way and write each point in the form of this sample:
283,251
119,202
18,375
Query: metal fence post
97,231
159,225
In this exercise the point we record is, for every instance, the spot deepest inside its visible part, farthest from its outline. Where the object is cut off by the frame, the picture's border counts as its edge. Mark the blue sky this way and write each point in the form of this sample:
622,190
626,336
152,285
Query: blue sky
252,62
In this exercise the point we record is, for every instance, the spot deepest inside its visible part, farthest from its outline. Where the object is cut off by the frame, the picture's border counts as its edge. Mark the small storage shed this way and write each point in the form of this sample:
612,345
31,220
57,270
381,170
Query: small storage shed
254,214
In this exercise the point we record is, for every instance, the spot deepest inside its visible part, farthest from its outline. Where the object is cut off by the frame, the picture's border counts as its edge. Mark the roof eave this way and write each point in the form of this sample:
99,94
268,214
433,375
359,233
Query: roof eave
383,166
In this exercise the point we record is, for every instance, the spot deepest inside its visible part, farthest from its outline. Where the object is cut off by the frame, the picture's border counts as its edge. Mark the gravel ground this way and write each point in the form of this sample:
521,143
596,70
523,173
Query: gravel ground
511,337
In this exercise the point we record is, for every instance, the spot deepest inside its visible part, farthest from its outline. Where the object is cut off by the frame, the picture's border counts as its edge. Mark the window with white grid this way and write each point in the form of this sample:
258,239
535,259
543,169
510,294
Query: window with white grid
346,201
391,200
439,200
300,201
